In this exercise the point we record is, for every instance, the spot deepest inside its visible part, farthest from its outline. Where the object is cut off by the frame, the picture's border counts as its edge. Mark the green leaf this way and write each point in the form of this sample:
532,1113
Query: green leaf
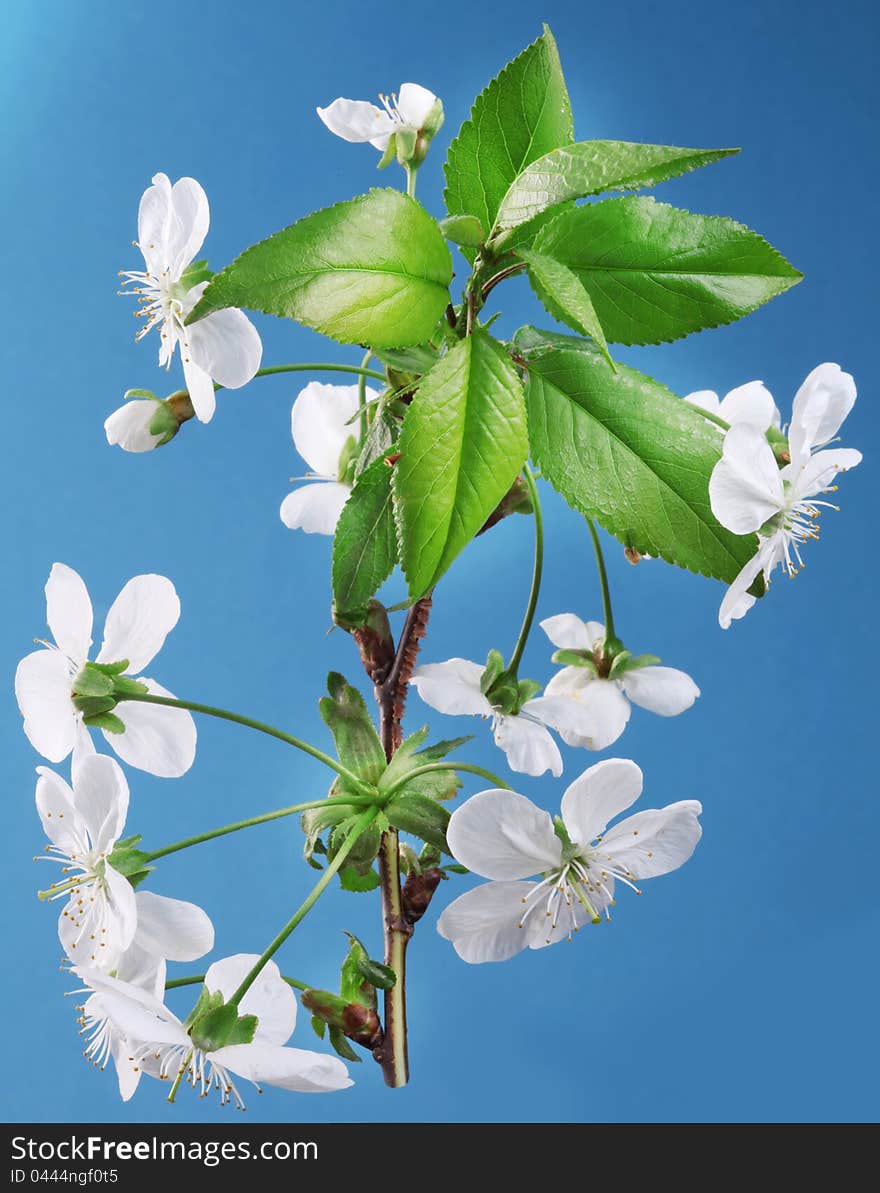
358,968
564,296
374,270
365,543
417,359
522,114
465,230
656,273
351,880
341,1045
624,450
357,742
421,816
463,443
589,168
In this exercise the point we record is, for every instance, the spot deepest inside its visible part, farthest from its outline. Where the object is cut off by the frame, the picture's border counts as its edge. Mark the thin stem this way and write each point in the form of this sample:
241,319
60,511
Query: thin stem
431,767
411,176
603,581
197,978
237,719
315,367
713,418
500,277
362,396
354,801
537,571
307,904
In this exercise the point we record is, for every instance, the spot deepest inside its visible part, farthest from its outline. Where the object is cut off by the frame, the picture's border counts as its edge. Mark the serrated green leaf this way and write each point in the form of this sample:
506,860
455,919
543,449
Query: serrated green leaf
589,168
564,296
346,716
657,273
374,270
351,880
365,543
378,441
421,816
463,443
465,230
624,450
417,359
521,115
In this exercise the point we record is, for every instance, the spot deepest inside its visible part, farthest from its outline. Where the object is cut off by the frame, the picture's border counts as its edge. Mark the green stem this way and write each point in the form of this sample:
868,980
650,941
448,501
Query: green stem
198,978
713,418
223,714
411,176
603,581
362,396
431,767
537,571
307,904
315,367
348,801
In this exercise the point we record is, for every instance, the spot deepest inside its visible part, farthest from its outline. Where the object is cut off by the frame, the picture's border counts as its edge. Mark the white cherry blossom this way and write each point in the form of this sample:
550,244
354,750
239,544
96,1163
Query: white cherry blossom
358,120
102,913
751,403
224,346
501,835
324,428
751,494
156,739
161,1046
606,699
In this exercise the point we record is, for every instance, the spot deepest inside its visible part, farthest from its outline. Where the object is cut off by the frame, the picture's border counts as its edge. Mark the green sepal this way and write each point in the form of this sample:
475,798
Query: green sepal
325,1006
526,689
222,1026
107,721
164,423
319,1027
632,663
619,663
363,853
493,669
465,230
340,1045
93,680
139,393
456,868
351,880
361,976
314,822
357,742
204,1003
574,658
390,153
439,785
405,145
128,860
562,833
123,686
421,816
110,668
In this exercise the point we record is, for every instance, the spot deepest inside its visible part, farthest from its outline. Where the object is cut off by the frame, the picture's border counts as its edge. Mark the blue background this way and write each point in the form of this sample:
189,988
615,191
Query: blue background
741,988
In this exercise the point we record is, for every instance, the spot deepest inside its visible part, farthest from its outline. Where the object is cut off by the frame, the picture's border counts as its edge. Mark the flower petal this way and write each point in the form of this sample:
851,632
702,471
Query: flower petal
592,717
598,795
356,120
99,921
140,619
129,426
69,613
161,741
269,998
288,1068
315,508
501,835
56,810
819,409
737,602
141,1022
663,690
704,399
414,104
154,216
452,687
655,841
528,745
320,422
200,388
226,346
745,488
100,796
751,403
484,924
172,928
568,919
42,689
821,469
191,218
568,681
567,631
141,968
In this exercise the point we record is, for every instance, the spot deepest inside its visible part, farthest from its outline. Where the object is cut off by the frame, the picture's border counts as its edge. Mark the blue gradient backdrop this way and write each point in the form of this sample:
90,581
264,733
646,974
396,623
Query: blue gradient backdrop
744,986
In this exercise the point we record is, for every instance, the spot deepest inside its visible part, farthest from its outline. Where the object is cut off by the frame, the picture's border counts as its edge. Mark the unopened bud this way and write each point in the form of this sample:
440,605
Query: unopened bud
418,890
145,422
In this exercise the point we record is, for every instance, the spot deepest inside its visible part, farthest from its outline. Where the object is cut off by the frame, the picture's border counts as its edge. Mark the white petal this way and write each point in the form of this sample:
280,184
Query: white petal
69,612
190,221
100,796
128,1074
528,745
315,508
821,470
751,403
452,687
161,741
663,690
154,216
288,1068
602,792
567,920
654,842
745,487
704,399
200,388
269,998
140,1021
320,422
356,120
56,810
483,924
500,834
145,612
226,346
567,631
569,681
83,748
172,928
141,968
99,921
42,689
414,103
819,409
737,602
129,426
593,716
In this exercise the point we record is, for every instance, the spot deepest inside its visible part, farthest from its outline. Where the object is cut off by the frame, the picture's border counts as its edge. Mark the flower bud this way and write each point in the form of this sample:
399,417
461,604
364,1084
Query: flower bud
145,421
